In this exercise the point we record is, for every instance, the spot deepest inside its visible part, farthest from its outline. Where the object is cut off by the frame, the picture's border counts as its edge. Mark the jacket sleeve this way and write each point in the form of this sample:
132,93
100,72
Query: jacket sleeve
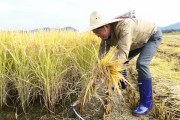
124,36
101,49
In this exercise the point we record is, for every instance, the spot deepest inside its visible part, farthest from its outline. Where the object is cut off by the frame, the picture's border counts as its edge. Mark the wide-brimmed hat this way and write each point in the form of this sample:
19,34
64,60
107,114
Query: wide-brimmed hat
97,20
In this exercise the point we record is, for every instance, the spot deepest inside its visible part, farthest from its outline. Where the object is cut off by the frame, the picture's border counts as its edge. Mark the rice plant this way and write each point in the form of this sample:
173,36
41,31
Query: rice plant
2,77
49,65
19,71
107,70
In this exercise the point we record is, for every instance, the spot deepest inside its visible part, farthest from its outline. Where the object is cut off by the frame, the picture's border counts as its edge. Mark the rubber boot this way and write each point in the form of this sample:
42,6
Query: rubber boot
145,90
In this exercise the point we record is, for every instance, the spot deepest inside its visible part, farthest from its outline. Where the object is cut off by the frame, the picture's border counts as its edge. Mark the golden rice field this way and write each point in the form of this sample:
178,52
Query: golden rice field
43,73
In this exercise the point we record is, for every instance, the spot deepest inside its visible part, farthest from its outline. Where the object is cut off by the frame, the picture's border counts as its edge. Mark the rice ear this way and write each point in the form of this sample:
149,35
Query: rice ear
109,69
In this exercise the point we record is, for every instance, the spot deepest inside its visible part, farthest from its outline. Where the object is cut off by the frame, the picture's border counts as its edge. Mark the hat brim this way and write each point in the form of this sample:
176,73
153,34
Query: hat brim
90,28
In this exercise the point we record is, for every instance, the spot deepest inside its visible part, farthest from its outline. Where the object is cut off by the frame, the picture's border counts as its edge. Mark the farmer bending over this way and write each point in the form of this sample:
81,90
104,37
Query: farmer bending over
131,36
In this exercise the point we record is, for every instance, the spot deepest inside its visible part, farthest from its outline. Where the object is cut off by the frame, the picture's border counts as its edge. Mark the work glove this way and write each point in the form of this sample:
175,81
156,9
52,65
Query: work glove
123,83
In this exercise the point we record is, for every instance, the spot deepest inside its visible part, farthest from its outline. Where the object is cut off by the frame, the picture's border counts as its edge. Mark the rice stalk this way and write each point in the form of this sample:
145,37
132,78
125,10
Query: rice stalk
3,81
107,70
19,69
83,57
50,65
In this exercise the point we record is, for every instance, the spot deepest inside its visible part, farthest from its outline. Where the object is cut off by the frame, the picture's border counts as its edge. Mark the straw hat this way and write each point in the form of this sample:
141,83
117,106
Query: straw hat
97,20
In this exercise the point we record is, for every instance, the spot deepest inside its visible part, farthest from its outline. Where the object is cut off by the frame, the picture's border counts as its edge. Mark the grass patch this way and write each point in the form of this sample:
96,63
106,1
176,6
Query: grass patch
163,69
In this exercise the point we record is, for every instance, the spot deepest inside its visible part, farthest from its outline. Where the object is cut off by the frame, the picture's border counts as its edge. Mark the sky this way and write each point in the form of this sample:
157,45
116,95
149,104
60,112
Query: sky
32,14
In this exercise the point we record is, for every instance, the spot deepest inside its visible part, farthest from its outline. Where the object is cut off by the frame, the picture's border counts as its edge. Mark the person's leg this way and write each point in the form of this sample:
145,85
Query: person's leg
131,55
144,75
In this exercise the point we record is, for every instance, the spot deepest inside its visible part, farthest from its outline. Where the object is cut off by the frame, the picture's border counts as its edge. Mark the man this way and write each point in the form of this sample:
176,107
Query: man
131,36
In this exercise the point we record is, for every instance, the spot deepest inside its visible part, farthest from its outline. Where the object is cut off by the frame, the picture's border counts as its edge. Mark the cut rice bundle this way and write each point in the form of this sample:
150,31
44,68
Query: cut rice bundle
107,70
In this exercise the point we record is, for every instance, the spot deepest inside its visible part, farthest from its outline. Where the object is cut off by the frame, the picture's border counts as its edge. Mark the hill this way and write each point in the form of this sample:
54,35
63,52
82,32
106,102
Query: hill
171,28
49,29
